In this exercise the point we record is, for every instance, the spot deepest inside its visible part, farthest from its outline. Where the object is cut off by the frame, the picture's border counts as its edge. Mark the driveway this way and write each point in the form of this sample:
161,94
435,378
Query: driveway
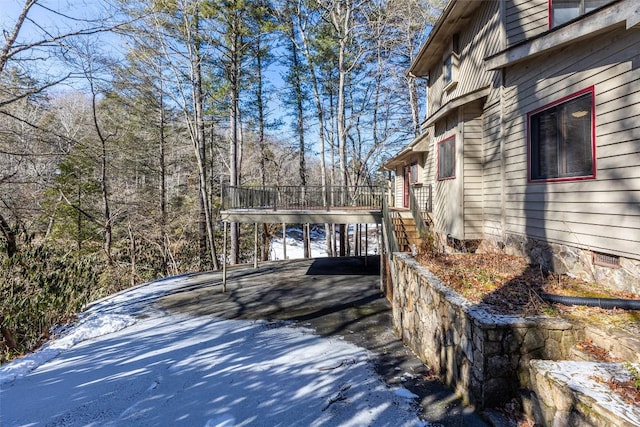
337,297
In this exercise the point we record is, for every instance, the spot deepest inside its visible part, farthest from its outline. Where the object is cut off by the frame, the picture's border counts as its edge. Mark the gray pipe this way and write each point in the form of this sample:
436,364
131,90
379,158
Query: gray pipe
625,304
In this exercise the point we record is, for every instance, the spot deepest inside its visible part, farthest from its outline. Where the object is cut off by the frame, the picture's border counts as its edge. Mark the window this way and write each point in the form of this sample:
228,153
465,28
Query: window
450,64
562,139
563,11
413,173
446,158
447,69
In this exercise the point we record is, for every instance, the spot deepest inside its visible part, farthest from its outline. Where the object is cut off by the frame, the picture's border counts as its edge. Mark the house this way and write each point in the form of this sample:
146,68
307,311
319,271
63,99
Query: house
531,140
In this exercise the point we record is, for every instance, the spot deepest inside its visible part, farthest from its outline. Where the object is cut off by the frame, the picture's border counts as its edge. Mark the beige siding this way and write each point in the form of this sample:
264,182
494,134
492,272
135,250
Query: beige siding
525,19
447,194
472,171
492,177
459,204
601,214
479,40
399,187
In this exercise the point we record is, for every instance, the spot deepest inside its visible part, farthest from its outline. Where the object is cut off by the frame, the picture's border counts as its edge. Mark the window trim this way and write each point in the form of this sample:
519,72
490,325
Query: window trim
453,176
589,90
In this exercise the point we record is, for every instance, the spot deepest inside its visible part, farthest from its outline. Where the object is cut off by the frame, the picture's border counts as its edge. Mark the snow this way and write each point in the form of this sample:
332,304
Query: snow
126,362
295,248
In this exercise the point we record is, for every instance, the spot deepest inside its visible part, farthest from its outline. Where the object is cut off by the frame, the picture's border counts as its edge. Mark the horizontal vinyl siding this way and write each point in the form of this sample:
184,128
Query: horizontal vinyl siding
399,188
479,40
447,203
601,214
492,179
525,19
473,170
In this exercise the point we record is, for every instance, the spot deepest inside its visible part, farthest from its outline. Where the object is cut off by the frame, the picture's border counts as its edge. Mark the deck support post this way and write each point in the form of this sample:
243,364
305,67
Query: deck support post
366,244
224,256
284,241
255,246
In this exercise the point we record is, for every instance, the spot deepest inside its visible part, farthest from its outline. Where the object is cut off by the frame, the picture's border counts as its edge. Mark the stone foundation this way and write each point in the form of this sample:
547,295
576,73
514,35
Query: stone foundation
484,357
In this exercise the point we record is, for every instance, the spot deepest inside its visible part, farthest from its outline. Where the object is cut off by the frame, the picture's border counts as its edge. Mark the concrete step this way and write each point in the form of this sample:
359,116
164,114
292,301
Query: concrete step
619,345
587,351
571,393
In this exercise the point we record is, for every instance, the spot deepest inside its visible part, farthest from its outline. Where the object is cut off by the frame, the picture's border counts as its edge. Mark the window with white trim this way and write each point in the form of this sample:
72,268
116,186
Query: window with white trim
561,139
447,158
413,173
450,64
563,11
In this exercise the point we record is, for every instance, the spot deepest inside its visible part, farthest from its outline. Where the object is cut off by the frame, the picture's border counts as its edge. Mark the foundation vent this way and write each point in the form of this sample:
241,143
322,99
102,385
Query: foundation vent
606,260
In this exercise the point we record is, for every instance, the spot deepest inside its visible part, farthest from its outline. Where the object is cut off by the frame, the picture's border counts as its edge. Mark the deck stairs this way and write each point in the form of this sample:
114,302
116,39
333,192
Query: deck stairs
406,230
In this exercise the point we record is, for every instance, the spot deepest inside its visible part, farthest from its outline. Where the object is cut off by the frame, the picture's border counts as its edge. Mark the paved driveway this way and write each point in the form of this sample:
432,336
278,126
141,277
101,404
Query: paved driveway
333,296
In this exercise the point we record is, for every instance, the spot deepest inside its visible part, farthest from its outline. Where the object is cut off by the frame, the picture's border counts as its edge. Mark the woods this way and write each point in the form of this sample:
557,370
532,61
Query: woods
120,124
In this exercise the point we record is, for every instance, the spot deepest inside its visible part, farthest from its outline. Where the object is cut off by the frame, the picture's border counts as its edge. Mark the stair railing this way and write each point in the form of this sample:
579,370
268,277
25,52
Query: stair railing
416,208
390,241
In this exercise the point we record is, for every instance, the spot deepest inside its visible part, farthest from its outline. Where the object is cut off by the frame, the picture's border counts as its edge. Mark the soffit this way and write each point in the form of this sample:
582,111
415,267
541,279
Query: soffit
411,152
454,18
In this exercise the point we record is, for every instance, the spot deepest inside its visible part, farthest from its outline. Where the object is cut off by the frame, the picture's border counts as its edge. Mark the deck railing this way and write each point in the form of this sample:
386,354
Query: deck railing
297,197
421,197
420,203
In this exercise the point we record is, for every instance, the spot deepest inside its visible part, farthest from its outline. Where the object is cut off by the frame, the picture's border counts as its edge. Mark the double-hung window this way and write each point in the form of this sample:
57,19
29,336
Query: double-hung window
447,158
563,11
562,139
413,172
450,64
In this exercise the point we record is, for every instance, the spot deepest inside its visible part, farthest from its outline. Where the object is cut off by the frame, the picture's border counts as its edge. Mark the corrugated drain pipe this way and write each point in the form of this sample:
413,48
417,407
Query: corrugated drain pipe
625,304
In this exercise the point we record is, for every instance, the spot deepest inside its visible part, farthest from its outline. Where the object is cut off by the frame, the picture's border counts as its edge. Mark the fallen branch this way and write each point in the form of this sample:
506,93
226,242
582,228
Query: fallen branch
337,397
342,363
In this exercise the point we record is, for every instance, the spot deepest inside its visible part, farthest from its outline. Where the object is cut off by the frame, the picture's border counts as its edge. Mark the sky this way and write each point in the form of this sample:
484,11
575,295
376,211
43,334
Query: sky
42,21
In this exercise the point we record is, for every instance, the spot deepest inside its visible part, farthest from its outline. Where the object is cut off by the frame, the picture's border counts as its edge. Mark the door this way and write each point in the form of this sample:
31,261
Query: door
407,180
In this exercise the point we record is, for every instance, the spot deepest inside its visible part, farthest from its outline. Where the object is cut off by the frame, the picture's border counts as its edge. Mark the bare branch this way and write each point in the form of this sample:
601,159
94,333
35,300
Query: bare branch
4,56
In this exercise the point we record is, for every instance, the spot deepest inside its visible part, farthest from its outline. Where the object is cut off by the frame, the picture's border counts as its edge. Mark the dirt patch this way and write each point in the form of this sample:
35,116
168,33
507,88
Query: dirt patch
509,285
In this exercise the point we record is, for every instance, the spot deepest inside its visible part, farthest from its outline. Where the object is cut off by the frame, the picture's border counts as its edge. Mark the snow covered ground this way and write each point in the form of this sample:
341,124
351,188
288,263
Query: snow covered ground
295,249
128,363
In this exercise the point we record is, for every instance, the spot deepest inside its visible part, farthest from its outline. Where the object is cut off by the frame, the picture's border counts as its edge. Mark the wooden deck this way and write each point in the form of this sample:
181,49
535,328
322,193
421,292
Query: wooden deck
301,205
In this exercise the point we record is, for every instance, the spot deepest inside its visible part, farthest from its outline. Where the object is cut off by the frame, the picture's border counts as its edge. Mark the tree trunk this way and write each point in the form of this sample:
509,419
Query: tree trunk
205,221
9,236
104,187
234,118
163,184
320,114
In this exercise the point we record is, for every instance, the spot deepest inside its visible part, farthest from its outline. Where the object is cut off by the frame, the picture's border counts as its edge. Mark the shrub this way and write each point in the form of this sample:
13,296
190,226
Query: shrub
41,287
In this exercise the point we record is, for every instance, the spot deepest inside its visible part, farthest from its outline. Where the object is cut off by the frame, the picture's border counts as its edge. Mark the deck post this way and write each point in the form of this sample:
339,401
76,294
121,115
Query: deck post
224,256
255,246
284,241
366,244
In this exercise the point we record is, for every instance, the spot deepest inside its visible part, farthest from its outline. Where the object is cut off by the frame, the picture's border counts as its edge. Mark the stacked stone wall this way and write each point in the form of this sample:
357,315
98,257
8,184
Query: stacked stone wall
483,356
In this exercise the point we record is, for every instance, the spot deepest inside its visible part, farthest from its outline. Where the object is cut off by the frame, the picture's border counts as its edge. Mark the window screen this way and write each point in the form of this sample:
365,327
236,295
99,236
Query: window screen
446,158
560,136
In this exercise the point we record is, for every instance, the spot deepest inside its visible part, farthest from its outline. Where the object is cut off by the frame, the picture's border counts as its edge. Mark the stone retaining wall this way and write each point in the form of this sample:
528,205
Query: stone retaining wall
483,356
